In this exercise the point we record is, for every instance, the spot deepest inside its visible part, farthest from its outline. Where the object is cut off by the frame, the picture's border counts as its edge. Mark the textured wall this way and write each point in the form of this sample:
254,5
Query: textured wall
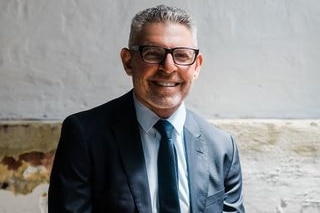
62,56
261,61
280,161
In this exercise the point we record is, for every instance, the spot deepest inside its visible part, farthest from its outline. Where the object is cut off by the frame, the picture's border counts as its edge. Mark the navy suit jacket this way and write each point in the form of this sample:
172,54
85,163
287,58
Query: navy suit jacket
99,164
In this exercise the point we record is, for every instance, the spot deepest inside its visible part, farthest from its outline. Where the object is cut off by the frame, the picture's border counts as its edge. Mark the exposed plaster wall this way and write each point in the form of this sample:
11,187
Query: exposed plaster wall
26,154
280,161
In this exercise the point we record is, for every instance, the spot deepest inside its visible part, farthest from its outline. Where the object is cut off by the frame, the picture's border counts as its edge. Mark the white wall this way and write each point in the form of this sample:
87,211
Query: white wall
261,56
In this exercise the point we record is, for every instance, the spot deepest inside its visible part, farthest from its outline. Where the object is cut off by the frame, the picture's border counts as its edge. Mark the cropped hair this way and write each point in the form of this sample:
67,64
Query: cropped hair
161,14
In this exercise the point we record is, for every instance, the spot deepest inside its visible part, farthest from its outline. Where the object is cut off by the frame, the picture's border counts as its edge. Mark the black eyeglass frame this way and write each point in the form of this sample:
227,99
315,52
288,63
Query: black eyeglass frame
140,48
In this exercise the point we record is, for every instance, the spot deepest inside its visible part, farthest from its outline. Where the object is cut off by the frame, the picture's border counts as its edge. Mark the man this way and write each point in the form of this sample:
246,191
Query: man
108,158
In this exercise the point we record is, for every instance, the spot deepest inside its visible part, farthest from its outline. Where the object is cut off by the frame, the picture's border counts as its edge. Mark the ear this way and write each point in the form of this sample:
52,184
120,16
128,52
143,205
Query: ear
198,64
126,60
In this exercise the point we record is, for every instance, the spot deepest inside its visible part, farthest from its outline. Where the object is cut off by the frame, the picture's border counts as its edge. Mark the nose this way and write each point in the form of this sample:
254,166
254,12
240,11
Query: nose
168,64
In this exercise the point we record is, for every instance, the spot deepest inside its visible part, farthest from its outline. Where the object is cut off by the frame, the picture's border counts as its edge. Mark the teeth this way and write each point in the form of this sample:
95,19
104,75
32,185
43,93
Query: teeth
166,84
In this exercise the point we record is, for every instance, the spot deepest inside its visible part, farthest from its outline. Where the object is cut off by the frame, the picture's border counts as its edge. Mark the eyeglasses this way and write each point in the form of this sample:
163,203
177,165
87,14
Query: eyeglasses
156,55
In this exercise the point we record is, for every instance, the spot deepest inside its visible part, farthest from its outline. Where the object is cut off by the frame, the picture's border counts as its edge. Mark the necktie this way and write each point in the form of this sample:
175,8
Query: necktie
167,170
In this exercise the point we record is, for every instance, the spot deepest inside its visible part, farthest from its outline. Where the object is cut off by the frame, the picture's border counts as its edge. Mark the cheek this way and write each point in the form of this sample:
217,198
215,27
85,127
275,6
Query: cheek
143,72
139,78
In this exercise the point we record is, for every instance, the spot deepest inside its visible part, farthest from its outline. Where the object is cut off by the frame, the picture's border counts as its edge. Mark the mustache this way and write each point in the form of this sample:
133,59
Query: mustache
172,77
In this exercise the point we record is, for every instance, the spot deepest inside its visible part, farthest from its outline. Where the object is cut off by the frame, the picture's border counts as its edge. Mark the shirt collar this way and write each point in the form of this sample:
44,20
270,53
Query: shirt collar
147,118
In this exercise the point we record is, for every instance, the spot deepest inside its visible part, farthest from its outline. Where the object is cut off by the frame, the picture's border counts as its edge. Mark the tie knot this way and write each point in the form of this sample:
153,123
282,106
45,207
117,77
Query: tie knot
165,128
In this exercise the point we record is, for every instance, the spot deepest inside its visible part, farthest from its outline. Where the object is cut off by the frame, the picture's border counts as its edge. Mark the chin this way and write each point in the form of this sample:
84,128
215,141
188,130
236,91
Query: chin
165,102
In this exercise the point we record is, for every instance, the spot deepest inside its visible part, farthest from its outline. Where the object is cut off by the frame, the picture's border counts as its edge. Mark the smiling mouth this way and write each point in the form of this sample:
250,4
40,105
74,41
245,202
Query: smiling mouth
165,84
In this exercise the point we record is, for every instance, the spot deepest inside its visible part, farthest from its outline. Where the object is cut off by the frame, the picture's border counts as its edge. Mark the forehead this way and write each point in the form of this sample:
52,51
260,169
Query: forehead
166,35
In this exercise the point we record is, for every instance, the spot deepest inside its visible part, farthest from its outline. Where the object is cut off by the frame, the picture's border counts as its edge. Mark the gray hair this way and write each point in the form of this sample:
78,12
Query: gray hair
161,14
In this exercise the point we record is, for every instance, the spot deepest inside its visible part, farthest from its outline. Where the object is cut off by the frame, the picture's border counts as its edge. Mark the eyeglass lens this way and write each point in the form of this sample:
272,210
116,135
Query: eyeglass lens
183,56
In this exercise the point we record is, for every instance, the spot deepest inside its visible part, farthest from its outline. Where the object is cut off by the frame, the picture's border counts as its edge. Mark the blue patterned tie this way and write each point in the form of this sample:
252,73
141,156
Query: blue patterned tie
167,170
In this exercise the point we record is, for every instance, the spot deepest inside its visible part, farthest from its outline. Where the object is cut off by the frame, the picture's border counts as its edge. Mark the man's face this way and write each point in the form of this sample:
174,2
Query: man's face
162,87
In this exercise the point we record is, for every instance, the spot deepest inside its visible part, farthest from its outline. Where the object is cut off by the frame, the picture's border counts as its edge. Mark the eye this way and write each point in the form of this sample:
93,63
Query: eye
183,54
153,53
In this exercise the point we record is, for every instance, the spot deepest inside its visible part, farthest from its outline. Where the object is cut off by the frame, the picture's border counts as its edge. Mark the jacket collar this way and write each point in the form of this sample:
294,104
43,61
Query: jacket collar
197,161
127,133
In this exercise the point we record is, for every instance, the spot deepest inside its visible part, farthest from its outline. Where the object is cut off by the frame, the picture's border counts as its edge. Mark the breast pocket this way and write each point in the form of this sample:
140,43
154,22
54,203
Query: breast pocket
214,202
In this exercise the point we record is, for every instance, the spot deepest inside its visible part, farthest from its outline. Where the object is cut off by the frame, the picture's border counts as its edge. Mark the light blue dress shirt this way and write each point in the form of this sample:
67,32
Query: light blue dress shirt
150,142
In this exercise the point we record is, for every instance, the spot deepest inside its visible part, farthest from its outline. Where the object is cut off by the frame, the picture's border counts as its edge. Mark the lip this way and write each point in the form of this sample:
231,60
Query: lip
165,83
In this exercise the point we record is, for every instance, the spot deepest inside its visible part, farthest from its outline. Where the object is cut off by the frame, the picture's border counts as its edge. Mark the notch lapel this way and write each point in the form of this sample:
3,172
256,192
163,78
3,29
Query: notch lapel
197,161
128,137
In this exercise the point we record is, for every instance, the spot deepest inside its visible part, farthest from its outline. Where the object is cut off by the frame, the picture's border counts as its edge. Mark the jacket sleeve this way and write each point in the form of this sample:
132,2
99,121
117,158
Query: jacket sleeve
233,201
70,187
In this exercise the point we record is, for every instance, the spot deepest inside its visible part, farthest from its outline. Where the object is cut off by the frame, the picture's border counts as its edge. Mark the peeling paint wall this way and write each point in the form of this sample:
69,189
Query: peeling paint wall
26,154
280,161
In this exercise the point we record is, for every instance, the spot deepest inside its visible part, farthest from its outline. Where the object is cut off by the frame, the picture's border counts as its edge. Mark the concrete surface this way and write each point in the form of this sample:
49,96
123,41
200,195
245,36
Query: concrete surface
261,57
35,202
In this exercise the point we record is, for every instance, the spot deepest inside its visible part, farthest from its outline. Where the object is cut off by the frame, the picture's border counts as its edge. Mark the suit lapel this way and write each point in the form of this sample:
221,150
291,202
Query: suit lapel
131,151
197,161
